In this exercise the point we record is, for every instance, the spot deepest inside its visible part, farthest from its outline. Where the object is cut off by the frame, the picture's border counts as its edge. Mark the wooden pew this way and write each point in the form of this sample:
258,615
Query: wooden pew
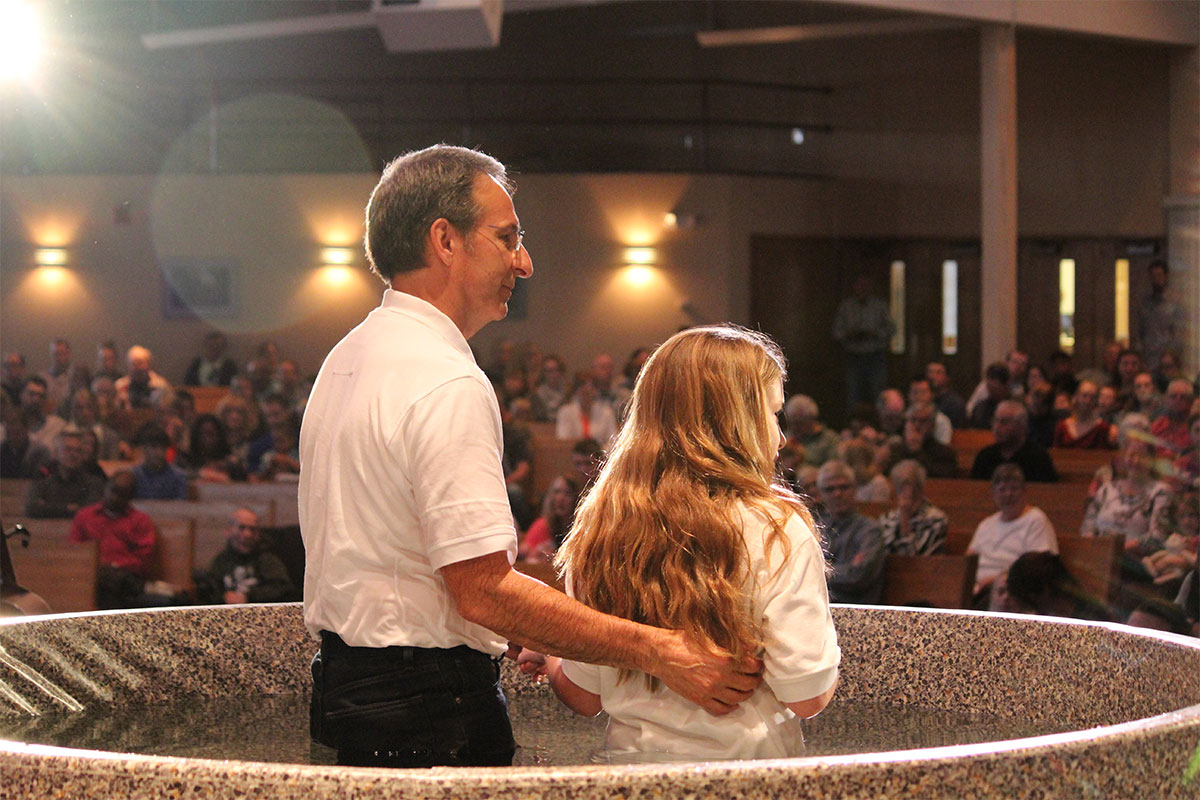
945,581
61,572
1095,561
209,520
284,495
207,397
64,573
551,458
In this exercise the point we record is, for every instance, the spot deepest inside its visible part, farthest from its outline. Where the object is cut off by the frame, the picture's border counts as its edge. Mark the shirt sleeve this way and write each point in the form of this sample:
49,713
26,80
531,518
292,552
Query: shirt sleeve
802,652
453,442
1042,536
585,676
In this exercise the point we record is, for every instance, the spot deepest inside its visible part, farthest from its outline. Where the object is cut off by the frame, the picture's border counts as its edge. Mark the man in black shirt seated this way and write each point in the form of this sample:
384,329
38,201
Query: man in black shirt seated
1010,426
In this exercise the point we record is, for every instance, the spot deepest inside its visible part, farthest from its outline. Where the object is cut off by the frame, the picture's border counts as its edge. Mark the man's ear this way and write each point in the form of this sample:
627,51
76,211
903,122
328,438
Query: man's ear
443,240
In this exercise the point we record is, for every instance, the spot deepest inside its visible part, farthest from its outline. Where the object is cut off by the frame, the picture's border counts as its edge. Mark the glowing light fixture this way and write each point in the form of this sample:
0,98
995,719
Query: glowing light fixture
51,277
797,136
336,276
642,256
50,256
20,40
337,256
638,277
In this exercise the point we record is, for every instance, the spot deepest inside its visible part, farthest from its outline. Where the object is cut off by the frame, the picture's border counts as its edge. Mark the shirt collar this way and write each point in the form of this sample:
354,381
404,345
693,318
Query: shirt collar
427,314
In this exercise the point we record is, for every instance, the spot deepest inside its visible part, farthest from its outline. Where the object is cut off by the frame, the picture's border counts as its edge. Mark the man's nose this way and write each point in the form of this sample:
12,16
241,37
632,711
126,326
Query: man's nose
524,263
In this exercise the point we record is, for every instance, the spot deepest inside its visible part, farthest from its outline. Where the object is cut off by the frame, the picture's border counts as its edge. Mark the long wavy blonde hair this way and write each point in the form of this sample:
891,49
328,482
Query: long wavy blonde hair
658,539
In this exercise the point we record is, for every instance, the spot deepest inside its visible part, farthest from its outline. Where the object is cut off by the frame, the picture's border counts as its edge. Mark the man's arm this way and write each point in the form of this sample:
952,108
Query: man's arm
490,593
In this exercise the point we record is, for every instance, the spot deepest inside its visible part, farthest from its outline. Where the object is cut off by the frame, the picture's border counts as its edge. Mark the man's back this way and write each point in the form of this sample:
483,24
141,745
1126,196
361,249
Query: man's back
401,475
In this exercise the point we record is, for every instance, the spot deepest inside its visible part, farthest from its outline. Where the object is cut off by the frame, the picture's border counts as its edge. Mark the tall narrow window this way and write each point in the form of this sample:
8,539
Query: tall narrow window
897,303
1066,304
949,307
1121,300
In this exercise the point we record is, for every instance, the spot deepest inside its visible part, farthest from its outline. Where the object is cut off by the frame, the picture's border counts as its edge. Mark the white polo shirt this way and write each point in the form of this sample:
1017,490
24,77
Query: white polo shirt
801,659
400,475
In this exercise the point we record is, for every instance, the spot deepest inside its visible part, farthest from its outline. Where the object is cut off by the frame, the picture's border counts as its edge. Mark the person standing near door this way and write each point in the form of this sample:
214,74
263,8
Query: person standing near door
1162,318
863,326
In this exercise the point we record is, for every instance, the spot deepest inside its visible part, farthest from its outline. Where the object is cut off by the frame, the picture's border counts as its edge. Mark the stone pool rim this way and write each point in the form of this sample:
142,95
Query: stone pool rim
761,776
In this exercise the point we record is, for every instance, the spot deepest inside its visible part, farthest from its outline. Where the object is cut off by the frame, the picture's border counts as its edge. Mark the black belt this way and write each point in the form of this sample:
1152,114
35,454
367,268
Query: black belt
334,645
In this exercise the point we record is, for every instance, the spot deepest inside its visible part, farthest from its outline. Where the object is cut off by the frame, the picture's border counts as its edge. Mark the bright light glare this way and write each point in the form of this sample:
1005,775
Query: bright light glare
336,276
50,256
640,255
20,40
638,277
337,256
51,277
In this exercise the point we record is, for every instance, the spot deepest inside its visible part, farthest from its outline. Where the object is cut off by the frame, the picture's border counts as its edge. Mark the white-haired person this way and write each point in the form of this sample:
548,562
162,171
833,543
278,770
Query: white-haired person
687,528
915,527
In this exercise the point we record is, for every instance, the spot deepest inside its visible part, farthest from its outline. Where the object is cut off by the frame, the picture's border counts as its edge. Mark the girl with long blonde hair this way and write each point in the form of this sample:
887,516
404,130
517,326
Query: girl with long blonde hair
686,528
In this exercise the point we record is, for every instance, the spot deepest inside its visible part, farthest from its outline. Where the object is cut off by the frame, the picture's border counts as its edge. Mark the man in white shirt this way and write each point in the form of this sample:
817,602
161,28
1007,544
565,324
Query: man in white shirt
1015,529
408,535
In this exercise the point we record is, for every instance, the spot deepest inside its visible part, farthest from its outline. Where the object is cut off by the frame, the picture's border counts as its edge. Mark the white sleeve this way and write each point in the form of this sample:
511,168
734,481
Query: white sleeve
585,676
802,652
453,442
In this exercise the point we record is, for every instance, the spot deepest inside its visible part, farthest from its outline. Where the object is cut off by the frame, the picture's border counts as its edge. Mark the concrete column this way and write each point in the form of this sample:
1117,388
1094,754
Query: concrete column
1183,202
998,186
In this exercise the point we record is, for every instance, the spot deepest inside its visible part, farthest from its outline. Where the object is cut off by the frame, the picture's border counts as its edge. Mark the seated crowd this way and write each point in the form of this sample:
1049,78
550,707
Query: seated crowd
60,424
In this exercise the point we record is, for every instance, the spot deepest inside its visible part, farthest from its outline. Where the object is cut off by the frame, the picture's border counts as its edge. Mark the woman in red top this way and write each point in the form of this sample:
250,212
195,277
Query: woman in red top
1084,428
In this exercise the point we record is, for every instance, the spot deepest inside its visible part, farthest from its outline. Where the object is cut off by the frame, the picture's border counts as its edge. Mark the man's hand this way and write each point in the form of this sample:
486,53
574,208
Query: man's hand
710,679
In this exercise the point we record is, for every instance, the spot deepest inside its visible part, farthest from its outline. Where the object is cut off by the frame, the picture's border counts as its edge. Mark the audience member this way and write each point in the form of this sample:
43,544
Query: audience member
234,413
212,367
245,571
915,527
14,376
889,412
608,390
127,540
275,411
85,416
1132,504
156,478
1084,428
108,361
805,429
1102,375
1013,446
996,390
283,459
587,456
286,382
945,398
1168,368
89,463
1129,366
1015,528
65,487
1177,558
63,376
551,392
1040,583
918,443
585,415
854,542
1016,370
134,389
1046,406
633,367
210,459
869,485
920,390
1171,428
1062,373
548,531
1108,407
21,456
1187,466
44,427
1144,399
1162,320
863,326
517,458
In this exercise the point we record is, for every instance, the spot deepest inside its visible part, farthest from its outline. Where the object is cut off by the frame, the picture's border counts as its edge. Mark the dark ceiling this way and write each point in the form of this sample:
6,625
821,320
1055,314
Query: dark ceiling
572,87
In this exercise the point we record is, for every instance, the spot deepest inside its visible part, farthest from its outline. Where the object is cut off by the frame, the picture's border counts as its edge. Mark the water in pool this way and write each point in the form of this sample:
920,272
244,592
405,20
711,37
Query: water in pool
275,729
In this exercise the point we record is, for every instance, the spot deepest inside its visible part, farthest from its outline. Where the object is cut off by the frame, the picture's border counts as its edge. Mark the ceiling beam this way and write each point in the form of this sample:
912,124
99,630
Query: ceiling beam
832,30
1175,22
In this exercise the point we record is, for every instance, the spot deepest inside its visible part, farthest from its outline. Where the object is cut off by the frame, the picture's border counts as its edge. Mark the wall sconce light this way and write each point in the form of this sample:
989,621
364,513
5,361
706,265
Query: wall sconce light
640,256
337,256
50,256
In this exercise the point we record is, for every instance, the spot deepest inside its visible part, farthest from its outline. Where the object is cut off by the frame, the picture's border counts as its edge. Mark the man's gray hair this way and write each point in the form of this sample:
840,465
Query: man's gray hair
801,405
415,190
834,468
908,471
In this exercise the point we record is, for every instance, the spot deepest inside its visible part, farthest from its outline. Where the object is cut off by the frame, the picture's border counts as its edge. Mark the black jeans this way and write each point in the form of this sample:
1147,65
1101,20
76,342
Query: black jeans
409,706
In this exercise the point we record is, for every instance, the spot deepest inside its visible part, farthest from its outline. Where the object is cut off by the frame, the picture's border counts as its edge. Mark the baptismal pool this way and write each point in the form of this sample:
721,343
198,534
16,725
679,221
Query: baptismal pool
275,730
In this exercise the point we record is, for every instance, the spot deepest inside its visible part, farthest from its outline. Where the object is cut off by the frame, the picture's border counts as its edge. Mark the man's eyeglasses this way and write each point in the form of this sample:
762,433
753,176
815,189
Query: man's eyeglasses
513,239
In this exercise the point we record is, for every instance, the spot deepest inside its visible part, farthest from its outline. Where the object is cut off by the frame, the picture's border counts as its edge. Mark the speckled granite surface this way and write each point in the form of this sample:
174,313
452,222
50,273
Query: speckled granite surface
1128,705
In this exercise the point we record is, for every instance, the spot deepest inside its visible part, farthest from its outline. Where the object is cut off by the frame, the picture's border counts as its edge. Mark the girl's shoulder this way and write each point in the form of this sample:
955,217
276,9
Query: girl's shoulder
759,520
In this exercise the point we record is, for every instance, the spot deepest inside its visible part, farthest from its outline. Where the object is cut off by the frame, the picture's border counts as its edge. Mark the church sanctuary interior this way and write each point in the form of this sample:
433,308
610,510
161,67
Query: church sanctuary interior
1015,183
